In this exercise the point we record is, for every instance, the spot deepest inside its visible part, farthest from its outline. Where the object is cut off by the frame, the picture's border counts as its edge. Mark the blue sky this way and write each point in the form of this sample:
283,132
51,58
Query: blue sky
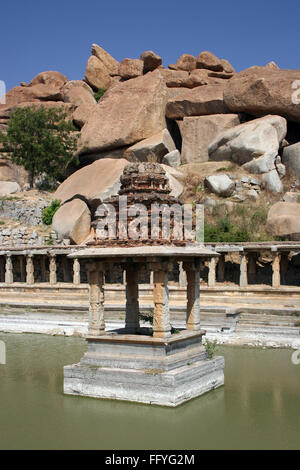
57,35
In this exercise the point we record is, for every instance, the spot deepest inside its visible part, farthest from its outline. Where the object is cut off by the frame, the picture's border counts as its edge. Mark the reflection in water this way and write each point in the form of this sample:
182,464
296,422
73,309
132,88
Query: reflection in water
259,406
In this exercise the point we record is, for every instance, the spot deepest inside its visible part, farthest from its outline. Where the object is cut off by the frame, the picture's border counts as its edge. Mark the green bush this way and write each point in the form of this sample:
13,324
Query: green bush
48,212
242,224
210,347
224,231
99,94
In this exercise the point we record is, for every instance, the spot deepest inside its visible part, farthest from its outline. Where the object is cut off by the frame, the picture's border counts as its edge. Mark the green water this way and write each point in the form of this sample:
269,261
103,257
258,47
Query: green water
259,406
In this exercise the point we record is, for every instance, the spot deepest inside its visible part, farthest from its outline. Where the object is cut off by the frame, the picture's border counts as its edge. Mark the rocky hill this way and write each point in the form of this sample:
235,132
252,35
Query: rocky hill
225,138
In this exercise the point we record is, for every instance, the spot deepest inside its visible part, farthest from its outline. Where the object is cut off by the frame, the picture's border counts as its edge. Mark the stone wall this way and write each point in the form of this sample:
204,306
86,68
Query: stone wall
27,215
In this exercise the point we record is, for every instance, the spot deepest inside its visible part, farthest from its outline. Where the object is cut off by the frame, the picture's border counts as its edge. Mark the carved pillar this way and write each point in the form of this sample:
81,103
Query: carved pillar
29,269
52,270
252,257
161,314
182,275
193,294
221,268
276,270
9,277
132,323
212,272
96,298
76,272
243,270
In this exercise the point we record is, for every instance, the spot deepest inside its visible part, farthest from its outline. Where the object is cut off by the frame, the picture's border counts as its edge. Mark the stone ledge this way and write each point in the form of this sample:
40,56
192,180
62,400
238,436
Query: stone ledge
170,388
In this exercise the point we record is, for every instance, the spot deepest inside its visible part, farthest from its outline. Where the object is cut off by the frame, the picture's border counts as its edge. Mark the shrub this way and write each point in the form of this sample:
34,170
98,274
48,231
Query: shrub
99,94
48,212
210,347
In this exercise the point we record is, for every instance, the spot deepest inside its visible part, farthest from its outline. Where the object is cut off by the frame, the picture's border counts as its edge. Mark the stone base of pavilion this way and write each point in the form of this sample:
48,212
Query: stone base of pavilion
145,369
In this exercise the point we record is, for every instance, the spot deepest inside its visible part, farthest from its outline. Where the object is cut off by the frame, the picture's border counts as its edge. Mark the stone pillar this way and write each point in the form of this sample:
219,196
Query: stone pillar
252,257
29,269
212,272
96,298
151,277
52,270
161,314
243,270
182,275
276,270
9,277
221,269
132,323
76,272
193,295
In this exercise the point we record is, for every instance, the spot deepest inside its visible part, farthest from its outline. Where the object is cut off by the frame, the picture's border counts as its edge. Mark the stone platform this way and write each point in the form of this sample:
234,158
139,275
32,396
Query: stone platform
141,368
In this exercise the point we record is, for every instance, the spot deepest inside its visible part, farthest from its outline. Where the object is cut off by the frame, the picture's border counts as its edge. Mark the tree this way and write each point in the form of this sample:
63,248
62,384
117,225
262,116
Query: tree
42,140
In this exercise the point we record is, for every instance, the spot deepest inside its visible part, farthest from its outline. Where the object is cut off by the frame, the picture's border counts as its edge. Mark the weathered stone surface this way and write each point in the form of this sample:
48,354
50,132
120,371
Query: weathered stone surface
221,185
110,64
151,149
199,132
263,90
172,159
127,113
51,78
186,62
131,68
175,78
37,92
151,61
9,187
272,181
199,77
96,74
227,67
11,172
284,220
94,182
292,197
78,93
174,178
291,158
272,65
82,114
73,221
250,140
208,60
196,102
261,164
